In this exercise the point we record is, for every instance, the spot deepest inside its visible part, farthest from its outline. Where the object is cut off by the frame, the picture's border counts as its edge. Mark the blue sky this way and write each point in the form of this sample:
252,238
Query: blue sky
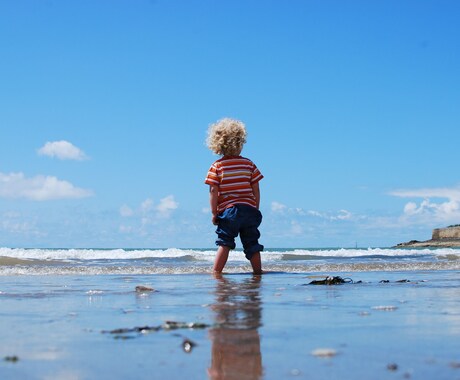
352,111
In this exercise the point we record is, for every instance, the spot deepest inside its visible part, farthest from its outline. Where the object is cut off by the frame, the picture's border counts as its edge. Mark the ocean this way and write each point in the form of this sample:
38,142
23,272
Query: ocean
33,261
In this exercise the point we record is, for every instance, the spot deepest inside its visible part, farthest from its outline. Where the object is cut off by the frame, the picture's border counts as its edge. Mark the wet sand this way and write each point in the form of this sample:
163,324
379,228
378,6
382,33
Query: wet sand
237,326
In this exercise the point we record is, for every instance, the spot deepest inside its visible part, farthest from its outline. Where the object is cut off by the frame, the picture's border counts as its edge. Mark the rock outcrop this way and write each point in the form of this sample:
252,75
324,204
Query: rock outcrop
441,237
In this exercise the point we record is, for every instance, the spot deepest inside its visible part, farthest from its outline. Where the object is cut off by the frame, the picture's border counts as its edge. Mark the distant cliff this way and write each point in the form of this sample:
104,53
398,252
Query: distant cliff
441,237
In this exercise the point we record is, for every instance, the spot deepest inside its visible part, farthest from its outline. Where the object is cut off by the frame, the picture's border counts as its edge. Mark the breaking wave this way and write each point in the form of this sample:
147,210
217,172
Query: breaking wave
34,261
203,254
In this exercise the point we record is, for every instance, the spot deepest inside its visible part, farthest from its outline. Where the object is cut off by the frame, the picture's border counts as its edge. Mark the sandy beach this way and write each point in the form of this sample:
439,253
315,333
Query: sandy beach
239,326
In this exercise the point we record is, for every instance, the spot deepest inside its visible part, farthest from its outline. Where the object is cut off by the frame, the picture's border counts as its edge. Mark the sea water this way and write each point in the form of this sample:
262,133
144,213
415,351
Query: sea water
34,261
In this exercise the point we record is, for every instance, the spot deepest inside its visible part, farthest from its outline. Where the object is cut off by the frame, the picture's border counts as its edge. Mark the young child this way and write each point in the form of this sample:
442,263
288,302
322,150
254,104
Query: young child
234,194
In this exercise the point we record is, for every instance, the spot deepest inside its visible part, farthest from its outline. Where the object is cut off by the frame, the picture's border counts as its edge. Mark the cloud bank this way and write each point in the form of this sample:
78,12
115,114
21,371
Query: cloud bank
150,220
443,192
148,209
38,188
279,208
429,211
63,150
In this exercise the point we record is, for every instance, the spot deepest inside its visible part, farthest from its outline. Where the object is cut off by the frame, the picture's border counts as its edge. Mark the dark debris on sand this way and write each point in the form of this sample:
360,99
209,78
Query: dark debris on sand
337,280
11,359
187,344
168,326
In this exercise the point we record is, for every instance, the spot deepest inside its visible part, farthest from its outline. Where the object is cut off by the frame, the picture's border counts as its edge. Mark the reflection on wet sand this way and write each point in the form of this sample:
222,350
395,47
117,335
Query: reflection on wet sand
235,339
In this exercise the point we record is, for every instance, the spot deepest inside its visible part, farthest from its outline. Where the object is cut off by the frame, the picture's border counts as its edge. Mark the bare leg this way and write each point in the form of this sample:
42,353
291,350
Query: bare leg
221,258
256,263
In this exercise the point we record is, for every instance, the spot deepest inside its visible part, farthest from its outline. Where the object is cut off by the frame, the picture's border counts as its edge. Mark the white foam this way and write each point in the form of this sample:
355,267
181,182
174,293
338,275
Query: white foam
94,292
98,254
209,255
205,268
388,252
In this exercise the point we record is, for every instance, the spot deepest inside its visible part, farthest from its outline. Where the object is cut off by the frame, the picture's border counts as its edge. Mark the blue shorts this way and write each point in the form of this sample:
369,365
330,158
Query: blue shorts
240,219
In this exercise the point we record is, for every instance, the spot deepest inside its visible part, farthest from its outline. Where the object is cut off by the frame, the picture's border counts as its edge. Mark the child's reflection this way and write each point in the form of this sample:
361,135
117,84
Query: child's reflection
235,339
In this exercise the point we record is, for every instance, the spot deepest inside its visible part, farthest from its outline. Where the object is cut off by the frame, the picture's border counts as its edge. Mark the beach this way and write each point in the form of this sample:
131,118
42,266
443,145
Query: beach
380,324
143,139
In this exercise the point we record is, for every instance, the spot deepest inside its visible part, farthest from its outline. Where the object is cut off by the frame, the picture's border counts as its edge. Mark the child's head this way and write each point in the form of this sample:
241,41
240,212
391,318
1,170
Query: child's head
226,137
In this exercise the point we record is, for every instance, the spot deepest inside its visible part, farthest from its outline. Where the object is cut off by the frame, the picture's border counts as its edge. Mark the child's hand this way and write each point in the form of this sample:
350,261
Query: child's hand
215,220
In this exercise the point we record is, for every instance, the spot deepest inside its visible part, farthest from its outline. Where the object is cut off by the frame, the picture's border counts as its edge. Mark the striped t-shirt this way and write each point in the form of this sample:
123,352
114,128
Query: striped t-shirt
234,176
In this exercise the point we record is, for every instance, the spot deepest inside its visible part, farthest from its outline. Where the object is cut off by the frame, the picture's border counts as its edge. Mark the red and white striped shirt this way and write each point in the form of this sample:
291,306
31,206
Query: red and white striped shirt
234,176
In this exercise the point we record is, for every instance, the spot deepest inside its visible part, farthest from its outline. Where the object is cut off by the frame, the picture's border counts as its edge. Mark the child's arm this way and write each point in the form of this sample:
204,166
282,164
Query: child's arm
256,192
213,197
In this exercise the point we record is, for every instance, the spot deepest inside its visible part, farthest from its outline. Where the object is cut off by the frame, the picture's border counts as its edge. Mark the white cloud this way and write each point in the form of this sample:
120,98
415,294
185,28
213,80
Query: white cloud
315,213
126,211
447,193
38,188
410,208
148,214
343,215
15,226
167,206
278,207
13,223
146,206
62,150
340,215
428,211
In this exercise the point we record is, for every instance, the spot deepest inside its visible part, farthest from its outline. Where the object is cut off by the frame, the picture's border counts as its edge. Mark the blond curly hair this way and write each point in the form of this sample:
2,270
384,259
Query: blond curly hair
226,137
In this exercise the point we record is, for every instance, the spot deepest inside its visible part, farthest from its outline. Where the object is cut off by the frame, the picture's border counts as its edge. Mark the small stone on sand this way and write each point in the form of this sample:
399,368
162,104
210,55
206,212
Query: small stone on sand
188,345
142,289
392,367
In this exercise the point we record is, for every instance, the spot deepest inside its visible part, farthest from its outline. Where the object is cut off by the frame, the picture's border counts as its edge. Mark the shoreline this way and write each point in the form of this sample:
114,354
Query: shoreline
275,326
446,264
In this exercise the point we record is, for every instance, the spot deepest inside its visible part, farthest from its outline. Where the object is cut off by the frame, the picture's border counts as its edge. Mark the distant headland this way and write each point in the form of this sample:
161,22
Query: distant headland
441,237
